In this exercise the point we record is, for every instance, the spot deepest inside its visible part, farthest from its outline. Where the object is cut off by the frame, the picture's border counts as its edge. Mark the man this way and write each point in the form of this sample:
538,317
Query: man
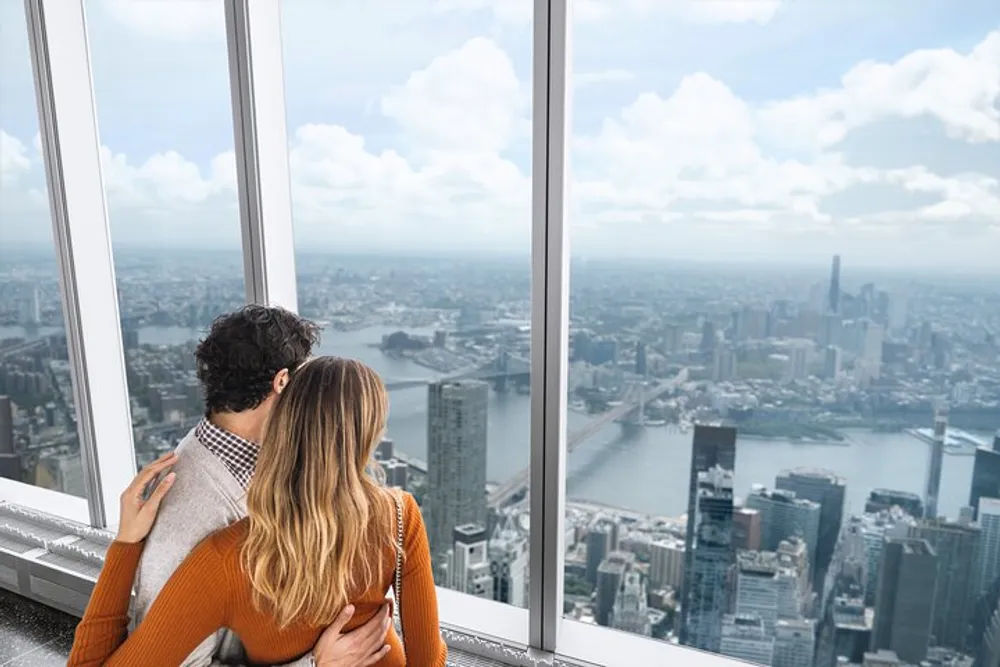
243,364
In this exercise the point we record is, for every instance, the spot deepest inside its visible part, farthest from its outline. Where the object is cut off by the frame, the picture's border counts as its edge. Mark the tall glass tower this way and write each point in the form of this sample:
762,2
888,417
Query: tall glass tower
708,548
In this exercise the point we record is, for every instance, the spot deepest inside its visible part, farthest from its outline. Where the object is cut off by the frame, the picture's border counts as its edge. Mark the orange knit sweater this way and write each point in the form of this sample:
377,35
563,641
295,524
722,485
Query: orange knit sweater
210,591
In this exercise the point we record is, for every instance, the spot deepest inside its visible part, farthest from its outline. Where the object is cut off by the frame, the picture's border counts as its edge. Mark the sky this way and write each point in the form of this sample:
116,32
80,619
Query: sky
701,129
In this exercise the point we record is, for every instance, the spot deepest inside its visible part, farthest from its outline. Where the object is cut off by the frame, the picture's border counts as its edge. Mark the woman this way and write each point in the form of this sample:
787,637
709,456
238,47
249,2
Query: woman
321,534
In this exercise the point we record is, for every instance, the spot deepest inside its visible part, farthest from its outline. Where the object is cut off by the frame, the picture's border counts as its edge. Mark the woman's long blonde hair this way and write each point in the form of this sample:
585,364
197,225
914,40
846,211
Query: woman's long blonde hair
319,515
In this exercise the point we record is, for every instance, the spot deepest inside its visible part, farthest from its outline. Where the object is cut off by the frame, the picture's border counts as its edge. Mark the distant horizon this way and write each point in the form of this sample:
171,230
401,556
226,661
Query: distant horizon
773,262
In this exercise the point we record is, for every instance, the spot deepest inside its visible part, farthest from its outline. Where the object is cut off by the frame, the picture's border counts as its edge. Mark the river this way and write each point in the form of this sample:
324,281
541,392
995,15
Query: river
646,471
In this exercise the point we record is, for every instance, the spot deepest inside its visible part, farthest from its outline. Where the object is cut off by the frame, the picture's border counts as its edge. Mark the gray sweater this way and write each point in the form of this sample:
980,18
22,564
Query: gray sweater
205,498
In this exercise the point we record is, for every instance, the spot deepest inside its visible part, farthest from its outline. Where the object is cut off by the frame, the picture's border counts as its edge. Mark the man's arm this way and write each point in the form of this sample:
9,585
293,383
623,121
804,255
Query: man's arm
194,509
361,647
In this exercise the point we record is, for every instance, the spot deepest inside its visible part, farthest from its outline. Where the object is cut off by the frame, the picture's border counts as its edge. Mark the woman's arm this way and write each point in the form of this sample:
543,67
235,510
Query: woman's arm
193,604
418,603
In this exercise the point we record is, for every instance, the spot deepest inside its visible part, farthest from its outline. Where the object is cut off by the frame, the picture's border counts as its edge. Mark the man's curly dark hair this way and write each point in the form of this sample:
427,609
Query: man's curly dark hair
244,350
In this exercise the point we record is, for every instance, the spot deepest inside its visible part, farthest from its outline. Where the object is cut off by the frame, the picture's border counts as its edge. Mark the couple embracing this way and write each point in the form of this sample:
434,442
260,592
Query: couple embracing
267,537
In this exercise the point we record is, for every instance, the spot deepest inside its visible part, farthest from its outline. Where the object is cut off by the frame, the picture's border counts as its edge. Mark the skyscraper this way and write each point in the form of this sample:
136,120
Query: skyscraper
598,547
956,546
469,563
985,476
610,576
794,643
508,553
456,459
666,567
783,515
708,540
707,580
989,523
744,637
827,489
933,487
640,358
880,500
746,529
10,461
905,600
6,426
833,299
831,362
630,611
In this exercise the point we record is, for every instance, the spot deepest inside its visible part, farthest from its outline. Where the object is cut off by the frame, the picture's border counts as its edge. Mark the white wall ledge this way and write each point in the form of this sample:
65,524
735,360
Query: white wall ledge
471,626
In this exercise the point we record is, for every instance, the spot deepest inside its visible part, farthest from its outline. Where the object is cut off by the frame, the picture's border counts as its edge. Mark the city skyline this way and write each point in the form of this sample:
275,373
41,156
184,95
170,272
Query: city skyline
777,561
674,146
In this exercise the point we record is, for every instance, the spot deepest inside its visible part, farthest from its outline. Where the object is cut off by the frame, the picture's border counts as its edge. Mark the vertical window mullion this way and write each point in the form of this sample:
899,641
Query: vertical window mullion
71,148
256,79
549,320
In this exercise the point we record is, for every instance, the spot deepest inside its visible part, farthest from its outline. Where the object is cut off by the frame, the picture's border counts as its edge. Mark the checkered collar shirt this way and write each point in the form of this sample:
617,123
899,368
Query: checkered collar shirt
238,454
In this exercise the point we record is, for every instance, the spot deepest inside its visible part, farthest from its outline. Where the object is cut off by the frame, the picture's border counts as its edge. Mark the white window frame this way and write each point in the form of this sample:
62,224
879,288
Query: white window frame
614,648
551,103
253,38
60,57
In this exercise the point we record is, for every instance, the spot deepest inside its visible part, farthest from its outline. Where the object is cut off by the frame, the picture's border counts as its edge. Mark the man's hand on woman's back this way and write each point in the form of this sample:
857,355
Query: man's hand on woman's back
361,647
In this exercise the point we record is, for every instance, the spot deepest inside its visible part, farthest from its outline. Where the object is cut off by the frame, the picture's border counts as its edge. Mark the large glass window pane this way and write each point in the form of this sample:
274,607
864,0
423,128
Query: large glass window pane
162,86
38,436
785,251
409,125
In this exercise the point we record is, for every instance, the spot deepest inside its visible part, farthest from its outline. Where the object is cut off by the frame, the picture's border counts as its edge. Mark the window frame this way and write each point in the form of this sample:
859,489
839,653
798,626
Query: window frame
71,145
62,505
551,101
71,148
256,62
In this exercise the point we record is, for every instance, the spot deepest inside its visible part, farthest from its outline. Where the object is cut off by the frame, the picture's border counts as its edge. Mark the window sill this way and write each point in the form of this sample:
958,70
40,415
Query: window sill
484,618
612,648
42,500
469,625
500,632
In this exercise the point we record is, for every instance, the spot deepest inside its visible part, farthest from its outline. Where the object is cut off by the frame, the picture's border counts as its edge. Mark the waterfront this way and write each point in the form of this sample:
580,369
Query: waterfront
647,470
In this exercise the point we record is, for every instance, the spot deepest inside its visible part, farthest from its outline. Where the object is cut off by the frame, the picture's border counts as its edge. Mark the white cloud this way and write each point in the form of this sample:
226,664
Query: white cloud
583,79
467,100
14,161
168,19
960,91
683,168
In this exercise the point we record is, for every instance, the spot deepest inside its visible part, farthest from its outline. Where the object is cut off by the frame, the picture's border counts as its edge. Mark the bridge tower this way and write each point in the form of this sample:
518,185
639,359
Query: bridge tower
639,417
501,365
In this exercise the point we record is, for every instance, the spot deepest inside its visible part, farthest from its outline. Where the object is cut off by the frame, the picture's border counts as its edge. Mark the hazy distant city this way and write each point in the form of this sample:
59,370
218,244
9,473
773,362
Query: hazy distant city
790,465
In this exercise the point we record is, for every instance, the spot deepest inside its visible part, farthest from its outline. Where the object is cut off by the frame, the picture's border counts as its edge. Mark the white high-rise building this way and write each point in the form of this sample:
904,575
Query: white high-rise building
870,358
798,362
61,470
508,556
666,567
470,568
744,638
771,586
794,643
630,612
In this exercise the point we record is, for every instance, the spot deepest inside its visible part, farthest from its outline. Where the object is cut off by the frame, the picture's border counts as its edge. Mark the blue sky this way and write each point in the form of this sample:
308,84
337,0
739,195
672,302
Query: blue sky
704,129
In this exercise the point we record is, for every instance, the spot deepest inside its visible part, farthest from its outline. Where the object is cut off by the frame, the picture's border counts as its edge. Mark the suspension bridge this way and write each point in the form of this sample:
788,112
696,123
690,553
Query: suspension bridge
633,401
500,372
